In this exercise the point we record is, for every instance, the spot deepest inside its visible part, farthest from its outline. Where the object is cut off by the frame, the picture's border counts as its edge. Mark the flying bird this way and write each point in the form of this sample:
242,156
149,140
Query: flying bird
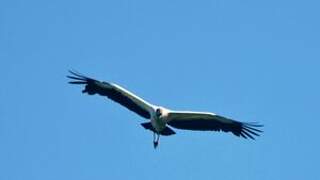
162,120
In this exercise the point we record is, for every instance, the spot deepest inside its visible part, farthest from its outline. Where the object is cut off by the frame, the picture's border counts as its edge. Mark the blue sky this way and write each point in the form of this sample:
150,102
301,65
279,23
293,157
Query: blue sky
248,60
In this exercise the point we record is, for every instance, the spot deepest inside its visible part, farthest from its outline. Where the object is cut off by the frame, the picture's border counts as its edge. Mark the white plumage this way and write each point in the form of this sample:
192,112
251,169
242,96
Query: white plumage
161,119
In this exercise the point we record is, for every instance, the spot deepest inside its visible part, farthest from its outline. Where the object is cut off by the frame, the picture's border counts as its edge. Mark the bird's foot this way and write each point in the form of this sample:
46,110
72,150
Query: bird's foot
155,144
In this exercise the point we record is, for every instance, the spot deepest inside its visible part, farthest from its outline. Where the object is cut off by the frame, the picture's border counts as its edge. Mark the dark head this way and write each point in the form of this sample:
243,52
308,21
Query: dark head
158,112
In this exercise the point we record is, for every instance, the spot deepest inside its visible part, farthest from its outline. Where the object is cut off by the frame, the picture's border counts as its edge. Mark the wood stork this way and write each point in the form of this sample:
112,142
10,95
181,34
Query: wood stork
161,119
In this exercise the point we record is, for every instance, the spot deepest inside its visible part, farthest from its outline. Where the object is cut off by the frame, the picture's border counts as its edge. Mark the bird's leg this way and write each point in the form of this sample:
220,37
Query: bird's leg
155,140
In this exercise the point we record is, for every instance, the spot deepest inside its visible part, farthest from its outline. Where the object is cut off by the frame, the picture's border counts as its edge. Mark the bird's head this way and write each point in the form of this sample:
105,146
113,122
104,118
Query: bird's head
158,112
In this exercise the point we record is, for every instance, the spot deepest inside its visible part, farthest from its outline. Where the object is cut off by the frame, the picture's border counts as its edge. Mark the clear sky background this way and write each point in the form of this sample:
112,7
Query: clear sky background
248,60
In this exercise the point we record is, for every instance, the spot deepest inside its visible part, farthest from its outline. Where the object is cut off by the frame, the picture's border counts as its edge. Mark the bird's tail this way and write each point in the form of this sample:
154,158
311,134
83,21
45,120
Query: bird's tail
165,132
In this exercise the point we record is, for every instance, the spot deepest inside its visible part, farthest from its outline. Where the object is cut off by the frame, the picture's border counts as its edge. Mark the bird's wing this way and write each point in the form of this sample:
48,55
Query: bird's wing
114,92
202,121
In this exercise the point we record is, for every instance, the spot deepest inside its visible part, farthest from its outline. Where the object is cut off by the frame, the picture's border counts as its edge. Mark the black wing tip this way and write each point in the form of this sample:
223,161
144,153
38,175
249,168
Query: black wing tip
78,78
76,74
77,82
250,130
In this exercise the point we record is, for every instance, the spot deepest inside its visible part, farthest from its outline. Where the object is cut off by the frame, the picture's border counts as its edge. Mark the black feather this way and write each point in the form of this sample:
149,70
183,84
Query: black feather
93,86
244,130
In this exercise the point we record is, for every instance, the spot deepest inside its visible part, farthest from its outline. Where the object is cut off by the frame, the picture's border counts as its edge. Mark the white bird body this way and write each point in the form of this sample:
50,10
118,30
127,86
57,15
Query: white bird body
158,123
161,119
